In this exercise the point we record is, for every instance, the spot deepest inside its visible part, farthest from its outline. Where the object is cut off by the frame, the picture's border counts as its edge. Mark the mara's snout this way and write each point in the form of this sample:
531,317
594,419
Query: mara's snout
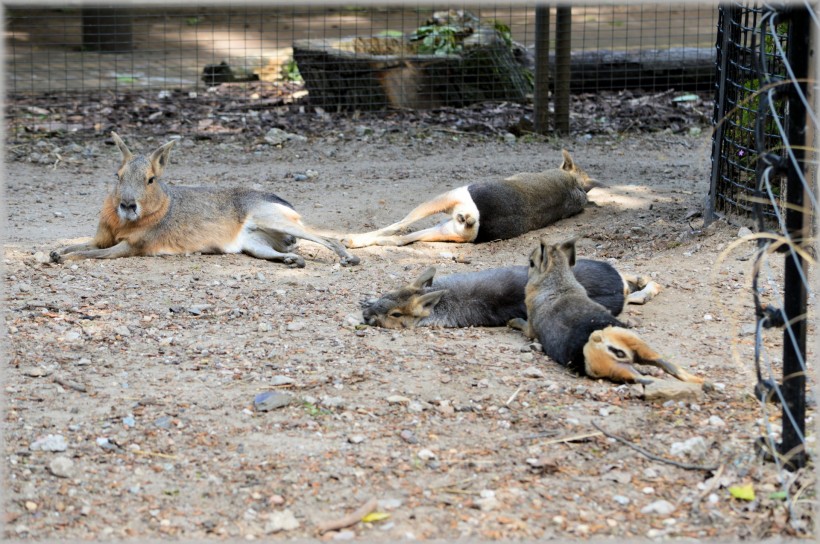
128,210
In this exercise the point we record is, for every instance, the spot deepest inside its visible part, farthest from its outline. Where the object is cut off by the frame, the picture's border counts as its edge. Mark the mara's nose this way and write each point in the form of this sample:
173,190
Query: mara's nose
128,205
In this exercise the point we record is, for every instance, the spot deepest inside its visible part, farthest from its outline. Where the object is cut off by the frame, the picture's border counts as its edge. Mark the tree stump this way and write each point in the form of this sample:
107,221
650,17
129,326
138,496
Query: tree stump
375,73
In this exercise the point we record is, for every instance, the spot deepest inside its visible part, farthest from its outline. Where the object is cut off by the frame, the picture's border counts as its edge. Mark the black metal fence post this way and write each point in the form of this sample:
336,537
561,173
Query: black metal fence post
726,18
563,49
792,446
542,68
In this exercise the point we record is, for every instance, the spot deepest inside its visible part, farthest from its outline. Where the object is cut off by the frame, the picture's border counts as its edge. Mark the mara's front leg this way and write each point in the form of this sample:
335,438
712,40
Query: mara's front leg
56,255
522,325
452,230
90,251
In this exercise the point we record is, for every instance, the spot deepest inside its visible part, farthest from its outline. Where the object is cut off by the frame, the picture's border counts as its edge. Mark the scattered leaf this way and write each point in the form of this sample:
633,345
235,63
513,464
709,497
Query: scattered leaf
778,495
375,516
743,492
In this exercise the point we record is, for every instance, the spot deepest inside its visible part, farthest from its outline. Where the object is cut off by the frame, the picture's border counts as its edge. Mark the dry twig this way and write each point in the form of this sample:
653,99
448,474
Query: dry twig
651,455
350,519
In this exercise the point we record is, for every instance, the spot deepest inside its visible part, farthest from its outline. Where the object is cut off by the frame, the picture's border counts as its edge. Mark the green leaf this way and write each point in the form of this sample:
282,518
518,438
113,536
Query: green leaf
778,495
743,492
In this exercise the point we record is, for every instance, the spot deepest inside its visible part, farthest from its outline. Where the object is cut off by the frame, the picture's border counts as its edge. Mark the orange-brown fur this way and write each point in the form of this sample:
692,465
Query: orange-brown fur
142,216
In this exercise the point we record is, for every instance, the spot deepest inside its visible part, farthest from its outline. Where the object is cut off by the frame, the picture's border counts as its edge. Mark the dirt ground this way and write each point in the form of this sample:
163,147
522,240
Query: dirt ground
148,367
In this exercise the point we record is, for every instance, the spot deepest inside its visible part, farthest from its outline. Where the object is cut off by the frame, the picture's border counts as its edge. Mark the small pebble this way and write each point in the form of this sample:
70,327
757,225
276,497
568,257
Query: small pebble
62,467
355,439
620,499
281,521
425,454
662,507
390,504
333,402
716,421
281,380
533,372
271,400
408,436
163,422
397,399
51,442
295,326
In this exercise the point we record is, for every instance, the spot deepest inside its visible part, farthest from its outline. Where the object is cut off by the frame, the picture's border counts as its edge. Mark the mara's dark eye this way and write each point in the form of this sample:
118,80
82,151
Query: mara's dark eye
619,353
532,263
396,314
151,180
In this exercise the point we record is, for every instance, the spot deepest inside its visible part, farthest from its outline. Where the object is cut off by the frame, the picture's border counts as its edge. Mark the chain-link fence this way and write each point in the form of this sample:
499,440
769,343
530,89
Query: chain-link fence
341,58
763,165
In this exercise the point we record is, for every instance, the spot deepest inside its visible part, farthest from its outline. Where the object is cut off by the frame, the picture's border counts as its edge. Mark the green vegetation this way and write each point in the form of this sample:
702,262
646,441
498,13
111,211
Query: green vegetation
437,40
290,72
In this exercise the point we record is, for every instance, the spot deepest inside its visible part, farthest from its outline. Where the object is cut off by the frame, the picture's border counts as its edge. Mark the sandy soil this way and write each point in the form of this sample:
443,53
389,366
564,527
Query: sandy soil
148,367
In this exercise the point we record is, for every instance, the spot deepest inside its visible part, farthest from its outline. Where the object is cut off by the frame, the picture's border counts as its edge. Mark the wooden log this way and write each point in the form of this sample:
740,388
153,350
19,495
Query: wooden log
681,68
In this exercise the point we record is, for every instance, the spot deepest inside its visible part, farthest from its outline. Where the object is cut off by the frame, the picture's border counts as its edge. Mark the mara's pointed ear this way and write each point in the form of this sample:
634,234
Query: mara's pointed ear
159,158
535,257
568,249
568,164
588,184
425,279
426,302
544,249
126,154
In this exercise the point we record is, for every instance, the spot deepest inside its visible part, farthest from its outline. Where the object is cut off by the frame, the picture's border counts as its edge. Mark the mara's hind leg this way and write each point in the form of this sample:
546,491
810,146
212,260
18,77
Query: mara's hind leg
445,202
260,246
639,289
277,219
647,356
446,231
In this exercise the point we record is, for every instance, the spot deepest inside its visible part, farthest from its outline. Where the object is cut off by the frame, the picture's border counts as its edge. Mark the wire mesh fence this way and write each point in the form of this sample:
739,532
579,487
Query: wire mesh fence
763,166
344,58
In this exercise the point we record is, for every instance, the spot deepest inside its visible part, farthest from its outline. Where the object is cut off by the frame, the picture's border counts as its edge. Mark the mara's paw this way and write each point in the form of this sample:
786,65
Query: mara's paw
55,257
352,242
294,261
350,260
653,288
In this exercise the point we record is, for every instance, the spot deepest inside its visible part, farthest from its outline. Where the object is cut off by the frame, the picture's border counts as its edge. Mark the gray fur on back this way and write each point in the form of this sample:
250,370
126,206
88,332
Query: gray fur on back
564,316
488,298
525,202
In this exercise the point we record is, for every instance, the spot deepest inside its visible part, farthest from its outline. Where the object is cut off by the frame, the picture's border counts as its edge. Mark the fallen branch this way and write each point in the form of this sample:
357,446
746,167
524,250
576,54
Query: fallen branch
512,397
155,454
71,385
574,438
715,482
651,455
350,519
